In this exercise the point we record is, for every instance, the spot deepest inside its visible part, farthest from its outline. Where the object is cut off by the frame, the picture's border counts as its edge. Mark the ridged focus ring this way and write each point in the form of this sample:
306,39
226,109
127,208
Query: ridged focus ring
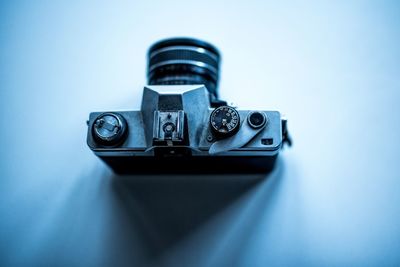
184,61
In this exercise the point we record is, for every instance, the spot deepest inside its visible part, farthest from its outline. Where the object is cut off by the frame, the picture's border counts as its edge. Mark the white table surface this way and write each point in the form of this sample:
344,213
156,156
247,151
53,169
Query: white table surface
333,68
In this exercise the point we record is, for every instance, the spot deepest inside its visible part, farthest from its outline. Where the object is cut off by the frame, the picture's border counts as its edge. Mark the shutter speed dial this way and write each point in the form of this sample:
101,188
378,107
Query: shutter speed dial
225,121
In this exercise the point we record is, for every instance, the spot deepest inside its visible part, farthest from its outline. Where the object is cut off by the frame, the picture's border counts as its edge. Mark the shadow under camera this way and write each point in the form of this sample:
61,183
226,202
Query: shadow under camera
166,209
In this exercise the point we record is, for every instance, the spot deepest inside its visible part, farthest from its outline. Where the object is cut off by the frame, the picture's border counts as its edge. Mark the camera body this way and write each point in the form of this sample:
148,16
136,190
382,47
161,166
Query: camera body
182,127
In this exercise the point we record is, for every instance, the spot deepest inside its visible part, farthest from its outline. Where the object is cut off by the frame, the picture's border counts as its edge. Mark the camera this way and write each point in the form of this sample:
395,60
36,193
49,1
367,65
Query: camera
182,125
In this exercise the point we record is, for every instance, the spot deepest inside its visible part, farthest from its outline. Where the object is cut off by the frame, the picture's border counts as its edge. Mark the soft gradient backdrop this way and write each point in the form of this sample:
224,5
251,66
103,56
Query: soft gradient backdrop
333,67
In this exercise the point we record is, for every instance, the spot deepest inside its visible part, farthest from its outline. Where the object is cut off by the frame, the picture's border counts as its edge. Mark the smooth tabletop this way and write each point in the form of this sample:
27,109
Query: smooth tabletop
333,200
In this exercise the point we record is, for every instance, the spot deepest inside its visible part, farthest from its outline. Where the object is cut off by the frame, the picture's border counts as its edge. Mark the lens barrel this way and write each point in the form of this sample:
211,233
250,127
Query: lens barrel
180,61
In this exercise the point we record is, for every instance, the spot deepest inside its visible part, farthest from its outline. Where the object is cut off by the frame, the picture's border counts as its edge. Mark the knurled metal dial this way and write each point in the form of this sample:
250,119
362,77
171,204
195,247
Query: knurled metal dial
109,128
225,121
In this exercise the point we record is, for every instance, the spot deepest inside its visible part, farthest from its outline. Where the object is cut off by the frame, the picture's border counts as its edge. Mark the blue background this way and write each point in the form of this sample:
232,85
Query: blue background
331,66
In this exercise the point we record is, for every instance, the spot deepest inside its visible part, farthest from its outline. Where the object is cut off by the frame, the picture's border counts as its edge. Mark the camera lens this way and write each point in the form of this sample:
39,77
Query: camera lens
180,61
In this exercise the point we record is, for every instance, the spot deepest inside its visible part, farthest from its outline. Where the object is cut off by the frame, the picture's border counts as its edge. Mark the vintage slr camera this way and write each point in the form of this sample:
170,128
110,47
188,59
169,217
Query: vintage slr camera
182,125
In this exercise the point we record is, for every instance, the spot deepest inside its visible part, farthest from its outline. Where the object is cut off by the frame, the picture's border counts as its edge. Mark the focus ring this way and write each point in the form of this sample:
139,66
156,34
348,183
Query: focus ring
179,61
181,54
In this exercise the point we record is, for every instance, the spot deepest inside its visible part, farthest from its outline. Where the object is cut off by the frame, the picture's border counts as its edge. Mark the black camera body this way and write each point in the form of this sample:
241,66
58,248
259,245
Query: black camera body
182,126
